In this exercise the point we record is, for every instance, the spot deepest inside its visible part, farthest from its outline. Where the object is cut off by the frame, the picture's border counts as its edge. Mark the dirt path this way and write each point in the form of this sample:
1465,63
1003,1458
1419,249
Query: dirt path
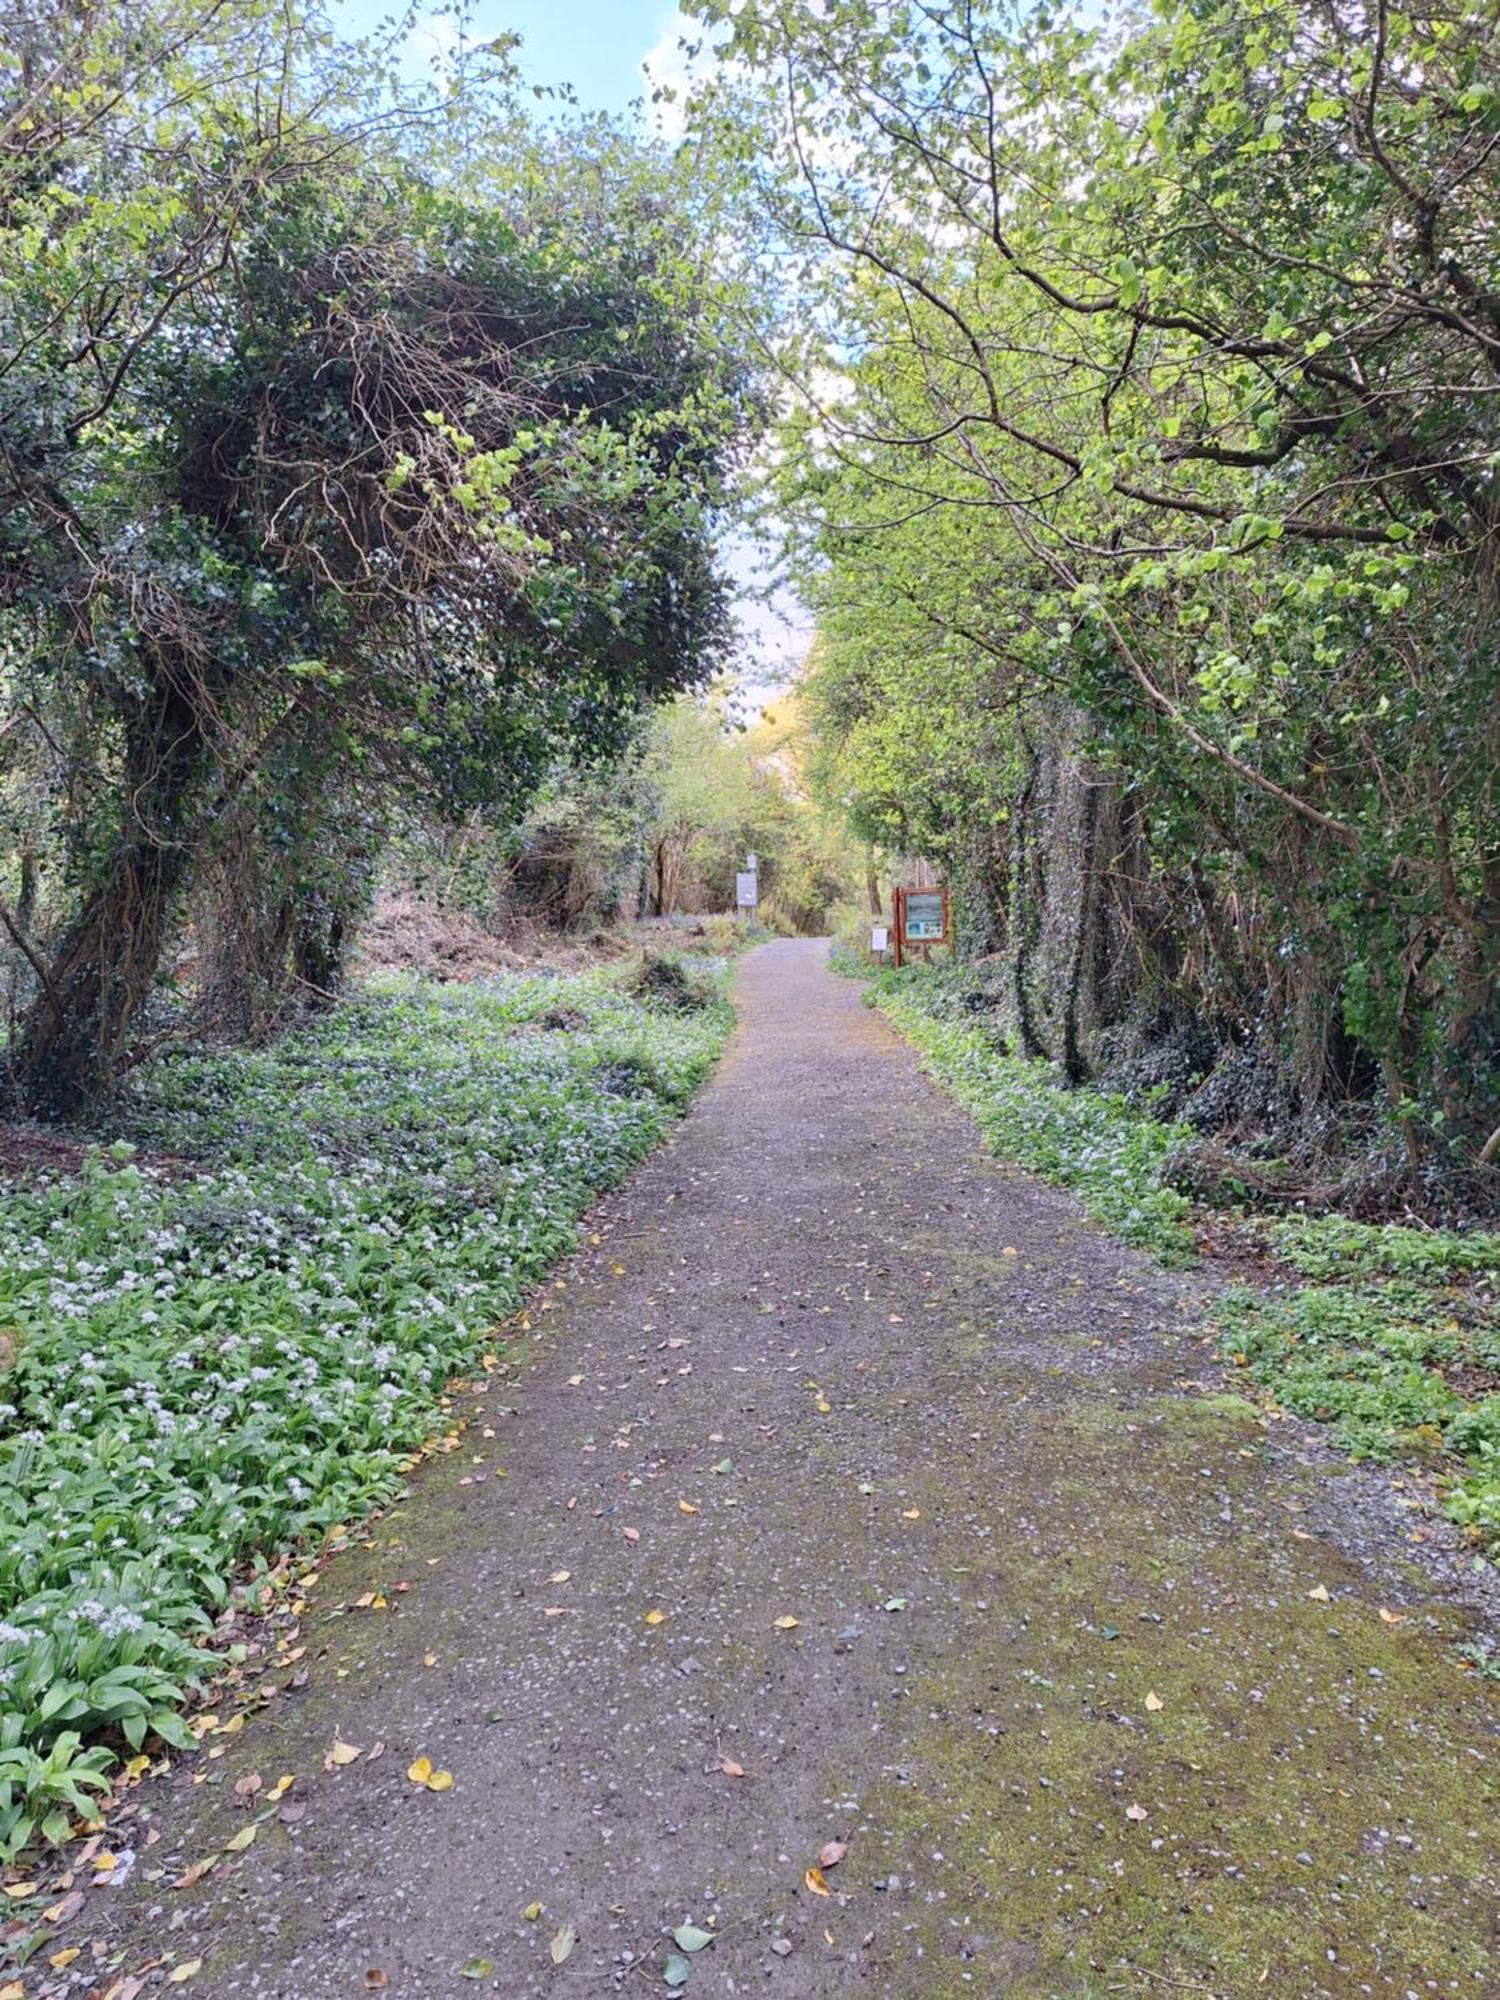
1062,1677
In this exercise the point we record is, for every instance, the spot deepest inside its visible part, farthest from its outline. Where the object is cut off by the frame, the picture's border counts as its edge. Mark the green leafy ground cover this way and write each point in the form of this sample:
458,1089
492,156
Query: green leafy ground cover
1396,1341
204,1368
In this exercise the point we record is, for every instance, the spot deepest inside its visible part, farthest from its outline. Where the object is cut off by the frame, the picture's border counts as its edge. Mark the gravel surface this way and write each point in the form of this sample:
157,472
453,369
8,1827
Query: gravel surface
1063,1677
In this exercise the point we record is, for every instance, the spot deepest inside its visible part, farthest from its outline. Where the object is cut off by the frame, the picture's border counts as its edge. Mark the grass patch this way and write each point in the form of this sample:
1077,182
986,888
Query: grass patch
1086,1140
212,1367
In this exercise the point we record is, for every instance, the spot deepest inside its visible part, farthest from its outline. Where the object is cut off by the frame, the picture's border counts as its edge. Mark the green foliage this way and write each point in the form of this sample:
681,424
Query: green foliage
1147,378
208,1368
1396,1369
1108,1154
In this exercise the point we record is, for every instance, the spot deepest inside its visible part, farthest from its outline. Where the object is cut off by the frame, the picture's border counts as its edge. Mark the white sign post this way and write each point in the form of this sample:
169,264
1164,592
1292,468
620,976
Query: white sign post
746,890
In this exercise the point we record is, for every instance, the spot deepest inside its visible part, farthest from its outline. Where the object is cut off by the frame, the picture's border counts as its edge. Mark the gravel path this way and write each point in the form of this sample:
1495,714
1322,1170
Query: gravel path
1063,1678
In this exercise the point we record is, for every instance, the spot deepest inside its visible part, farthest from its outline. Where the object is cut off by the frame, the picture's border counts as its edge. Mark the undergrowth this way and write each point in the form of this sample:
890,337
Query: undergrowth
1396,1343
1109,1155
204,1368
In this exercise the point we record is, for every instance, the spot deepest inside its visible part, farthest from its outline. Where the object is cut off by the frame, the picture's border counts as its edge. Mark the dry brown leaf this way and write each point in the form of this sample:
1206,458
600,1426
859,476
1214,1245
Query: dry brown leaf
730,1769
831,1853
375,1980
631,1534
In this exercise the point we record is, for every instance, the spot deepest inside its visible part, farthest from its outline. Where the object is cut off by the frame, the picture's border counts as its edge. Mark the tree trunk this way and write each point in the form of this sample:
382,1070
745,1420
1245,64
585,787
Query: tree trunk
74,1042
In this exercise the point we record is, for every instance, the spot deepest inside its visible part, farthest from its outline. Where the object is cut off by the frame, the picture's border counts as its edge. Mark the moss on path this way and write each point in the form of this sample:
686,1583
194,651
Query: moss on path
1083,1672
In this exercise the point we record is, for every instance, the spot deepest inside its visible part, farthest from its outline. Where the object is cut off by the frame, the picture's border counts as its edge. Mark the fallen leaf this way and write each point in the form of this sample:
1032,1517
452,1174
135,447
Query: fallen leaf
831,1853
1135,1812
724,1465
19,1889
247,1787
340,1754
686,1507
243,1839
477,1968
911,1513
677,1971
824,1406
894,1604
689,1937
730,1769
531,1912
103,1863
655,1617
375,1980
631,1534
560,1576
812,1878
575,1381
1319,1593
180,1974
195,1872
787,1623
281,1787
1154,1702
419,1770
562,1945
61,1960
13,1990
1392,1617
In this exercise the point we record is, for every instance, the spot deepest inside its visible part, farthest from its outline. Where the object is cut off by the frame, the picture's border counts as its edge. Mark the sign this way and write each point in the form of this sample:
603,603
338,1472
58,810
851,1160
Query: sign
923,910
746,894
919,918
879,937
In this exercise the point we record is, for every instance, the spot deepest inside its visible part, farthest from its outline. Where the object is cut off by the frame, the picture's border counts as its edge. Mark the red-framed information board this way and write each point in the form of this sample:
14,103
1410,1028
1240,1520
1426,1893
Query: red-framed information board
920,919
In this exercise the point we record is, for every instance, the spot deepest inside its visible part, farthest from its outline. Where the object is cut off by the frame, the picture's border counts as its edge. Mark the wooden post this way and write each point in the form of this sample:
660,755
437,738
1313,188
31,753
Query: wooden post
898,924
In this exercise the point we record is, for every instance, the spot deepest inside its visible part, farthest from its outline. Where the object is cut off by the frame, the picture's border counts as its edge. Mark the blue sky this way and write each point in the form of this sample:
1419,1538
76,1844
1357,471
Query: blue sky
595,45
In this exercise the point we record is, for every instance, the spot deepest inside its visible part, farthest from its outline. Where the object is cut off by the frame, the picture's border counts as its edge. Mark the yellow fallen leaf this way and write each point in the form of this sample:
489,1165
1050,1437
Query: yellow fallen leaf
429,1659
342,1753
911,1514
1154,1702
135,1766
787,1623
241,1840
13,1990
420,1770
103,1863
180,1974
19,1889
686,1507
655,1617
531,1912
1392,1617
440,1781
824,1406
281,1787
61,1960
812,1878
1319,1593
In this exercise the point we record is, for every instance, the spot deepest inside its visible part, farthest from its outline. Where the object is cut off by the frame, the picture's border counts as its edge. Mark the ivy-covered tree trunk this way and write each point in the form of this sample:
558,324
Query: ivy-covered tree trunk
75,1042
